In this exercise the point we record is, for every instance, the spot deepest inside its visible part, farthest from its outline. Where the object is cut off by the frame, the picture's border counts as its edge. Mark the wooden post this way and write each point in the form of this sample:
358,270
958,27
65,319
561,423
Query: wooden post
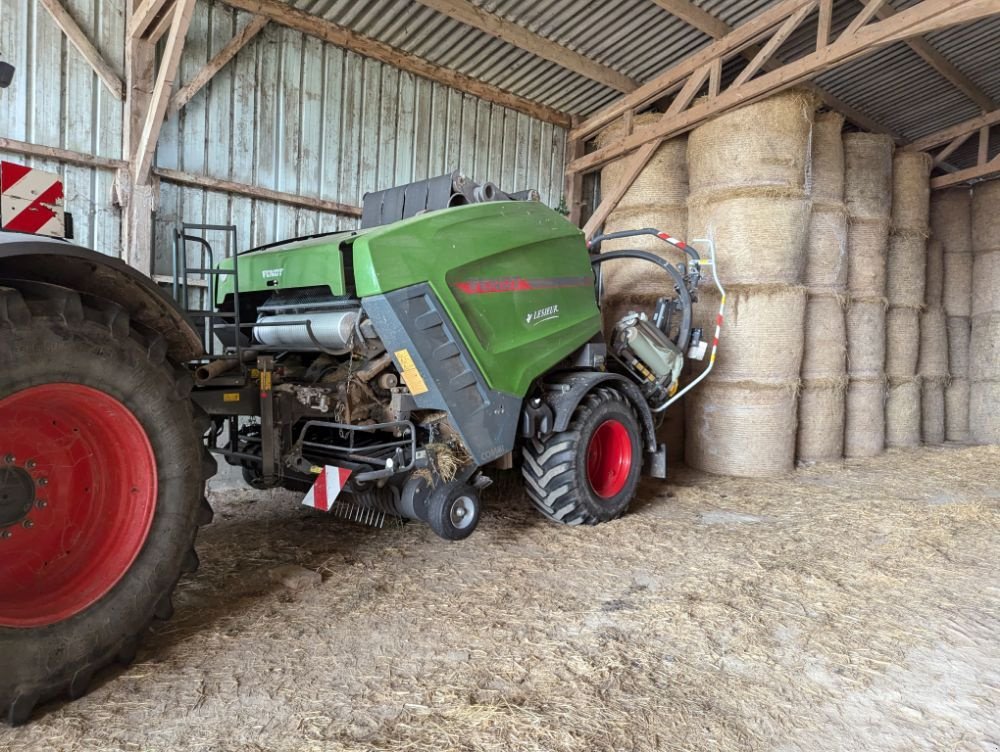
573,186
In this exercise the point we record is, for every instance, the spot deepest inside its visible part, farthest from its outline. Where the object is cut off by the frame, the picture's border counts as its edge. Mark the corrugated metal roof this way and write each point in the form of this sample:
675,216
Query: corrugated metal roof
638,38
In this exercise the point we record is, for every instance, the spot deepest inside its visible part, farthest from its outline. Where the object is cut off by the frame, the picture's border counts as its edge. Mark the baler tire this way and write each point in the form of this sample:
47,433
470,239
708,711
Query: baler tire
85,351
555,468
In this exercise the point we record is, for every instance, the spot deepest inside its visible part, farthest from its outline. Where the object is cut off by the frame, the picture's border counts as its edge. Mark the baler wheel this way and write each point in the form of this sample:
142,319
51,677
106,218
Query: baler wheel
588,473
98,502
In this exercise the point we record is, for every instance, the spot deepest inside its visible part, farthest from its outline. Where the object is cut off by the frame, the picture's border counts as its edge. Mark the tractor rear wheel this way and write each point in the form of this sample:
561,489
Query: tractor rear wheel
589,472
98,502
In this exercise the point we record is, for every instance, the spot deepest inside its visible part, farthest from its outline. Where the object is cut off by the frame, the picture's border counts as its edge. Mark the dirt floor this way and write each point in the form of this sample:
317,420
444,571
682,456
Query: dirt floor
845,608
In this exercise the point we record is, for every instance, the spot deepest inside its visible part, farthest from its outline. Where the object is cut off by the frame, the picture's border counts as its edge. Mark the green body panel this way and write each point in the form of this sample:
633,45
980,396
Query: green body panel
514,277
300,263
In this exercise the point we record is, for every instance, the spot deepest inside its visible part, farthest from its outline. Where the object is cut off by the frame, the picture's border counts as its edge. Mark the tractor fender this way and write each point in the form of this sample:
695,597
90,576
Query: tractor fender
563,392
58,262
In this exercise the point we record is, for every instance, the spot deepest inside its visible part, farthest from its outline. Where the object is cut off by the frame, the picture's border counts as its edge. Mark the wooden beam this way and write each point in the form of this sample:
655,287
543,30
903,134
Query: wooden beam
287,15
715,77
954,131
144,15
573,184
715,28
253,191
85,47
963,176
825,23
777,39
871,7
947,151
536,44
984,145
217,63
142,159
918,19
730,44
941,64
60,155
638,161
694,16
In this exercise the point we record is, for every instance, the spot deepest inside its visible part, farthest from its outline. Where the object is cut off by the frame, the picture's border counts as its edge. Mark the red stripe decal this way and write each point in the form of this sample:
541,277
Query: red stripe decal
10,173
718,320
38,212
715,342
319,488
344,475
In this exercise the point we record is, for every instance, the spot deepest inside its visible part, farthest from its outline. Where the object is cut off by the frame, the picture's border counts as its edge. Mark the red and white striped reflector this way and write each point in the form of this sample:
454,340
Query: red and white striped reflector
31,201
329,483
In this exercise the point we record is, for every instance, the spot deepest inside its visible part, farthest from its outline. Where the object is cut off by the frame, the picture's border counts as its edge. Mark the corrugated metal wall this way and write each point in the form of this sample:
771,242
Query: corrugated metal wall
289,113
57,100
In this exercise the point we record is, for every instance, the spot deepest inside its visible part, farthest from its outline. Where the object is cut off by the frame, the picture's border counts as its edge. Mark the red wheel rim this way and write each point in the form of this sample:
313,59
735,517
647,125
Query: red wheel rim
609,459
78,489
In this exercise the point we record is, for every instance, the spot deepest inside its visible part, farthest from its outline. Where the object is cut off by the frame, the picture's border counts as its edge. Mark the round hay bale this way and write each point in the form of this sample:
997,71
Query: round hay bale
864,418
959,333
632,278
957,295
951,219
867,257
825,351
956,410
933,362
826,248
986,282
984,417
902,413
821,422
741,429
984,348
902,342
762,332
911,190
905,270
764,144
934,286
932,410
826,179
664,180
758,240
866,339
868,175
985,217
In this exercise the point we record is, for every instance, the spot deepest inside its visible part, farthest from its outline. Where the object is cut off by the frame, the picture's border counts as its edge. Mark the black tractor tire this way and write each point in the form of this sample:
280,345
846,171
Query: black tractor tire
602,439
54,339
453,510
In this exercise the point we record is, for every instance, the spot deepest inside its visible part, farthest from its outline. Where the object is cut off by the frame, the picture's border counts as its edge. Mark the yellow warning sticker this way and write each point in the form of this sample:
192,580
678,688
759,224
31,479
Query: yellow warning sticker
411,376
405,360
413,379
231,397
265,381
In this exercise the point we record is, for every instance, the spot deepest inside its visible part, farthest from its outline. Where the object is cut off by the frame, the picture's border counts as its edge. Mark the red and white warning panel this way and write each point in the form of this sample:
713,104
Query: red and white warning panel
31,201
329,483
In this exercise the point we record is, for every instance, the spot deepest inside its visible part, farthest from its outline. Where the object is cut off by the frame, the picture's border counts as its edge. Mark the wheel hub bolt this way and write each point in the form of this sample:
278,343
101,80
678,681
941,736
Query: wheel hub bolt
41,503
43,481
30,464
5,534
27,524
10,459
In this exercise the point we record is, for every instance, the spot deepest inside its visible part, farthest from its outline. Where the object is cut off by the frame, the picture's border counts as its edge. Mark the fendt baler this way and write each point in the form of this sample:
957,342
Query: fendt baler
380,372
383,369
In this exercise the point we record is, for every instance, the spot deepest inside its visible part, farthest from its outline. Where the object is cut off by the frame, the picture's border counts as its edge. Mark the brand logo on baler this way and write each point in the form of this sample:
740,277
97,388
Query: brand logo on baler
543,314
272,273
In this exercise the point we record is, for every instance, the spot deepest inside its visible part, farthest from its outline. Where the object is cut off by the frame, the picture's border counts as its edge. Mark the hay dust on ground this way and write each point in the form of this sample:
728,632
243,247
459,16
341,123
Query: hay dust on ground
846,607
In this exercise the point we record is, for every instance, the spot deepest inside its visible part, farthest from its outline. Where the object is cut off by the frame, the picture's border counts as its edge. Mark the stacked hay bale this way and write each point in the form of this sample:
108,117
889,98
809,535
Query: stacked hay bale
984,357
868,194
748,173
657,198
933,361
824,359
905,284
951,221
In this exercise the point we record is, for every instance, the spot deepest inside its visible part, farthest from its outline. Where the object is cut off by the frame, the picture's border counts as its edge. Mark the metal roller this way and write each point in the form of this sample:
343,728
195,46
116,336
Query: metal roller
333,330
